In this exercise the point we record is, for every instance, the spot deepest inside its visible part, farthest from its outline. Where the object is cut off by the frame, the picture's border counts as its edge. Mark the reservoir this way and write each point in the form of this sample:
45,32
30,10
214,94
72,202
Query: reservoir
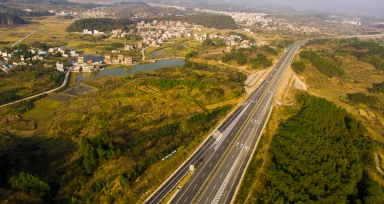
125,71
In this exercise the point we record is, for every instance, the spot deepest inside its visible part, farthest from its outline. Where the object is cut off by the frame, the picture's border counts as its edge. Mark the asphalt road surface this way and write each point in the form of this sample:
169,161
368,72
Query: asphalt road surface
222,159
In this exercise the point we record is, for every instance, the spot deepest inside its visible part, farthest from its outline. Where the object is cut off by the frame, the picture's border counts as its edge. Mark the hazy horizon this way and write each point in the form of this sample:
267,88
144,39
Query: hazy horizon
358,8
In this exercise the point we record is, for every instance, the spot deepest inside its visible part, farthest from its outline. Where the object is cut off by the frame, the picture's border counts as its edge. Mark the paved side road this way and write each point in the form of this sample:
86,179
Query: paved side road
37,95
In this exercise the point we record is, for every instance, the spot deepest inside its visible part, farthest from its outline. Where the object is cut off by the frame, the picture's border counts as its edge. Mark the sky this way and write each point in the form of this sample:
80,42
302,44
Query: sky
353,7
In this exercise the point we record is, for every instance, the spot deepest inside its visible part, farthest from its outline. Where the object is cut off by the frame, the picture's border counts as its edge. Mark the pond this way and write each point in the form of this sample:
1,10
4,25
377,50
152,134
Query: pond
125,71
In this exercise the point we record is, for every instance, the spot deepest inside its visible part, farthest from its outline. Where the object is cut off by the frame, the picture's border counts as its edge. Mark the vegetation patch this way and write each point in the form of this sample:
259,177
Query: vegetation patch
321,159
100,24
325,66
30,184
258,58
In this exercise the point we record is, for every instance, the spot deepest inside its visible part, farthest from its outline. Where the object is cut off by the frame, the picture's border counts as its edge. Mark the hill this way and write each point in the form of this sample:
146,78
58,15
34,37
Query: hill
21,13
10,19
100,24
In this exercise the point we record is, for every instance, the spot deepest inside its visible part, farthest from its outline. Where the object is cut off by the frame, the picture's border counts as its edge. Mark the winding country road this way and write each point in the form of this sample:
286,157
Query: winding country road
37,95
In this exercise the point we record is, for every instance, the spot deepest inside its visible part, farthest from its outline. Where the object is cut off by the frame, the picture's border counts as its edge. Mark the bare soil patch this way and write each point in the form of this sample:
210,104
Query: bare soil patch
59,97
79,90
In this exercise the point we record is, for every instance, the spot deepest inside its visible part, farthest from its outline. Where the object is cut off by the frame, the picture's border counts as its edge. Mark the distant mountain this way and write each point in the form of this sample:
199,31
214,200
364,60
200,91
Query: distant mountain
357,8
10,19
13,16
21,13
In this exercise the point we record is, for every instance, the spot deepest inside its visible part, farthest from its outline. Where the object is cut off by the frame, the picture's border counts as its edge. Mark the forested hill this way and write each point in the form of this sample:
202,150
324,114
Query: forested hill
208,21
21,13
9,19
322,155
100,24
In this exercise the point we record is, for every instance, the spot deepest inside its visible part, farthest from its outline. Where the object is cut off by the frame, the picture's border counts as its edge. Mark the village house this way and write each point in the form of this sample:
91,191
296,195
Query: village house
60,66
107,59
120,58
88,68
128,61
80,60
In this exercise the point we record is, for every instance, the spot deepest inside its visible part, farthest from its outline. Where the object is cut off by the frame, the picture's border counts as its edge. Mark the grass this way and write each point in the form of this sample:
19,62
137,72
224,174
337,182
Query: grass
129,110
93,84
52,31
43,111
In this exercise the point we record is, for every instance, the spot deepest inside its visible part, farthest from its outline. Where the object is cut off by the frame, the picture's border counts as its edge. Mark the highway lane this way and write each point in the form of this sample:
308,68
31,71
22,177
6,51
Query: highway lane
223,184
188,193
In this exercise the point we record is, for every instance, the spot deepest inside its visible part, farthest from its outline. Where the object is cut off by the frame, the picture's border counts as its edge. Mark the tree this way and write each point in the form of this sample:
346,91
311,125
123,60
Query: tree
317,156
208,43
241,59
30,184
3,167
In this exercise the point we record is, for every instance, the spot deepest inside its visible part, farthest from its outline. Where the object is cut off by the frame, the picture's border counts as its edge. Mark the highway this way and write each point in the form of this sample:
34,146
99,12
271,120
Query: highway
224,155
222,186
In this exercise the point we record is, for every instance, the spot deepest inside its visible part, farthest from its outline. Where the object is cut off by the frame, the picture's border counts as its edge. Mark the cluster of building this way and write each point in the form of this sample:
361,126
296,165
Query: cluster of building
158,32
242,17
355,21
302,29
6,67
8,60
97,12
88,66
83,64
